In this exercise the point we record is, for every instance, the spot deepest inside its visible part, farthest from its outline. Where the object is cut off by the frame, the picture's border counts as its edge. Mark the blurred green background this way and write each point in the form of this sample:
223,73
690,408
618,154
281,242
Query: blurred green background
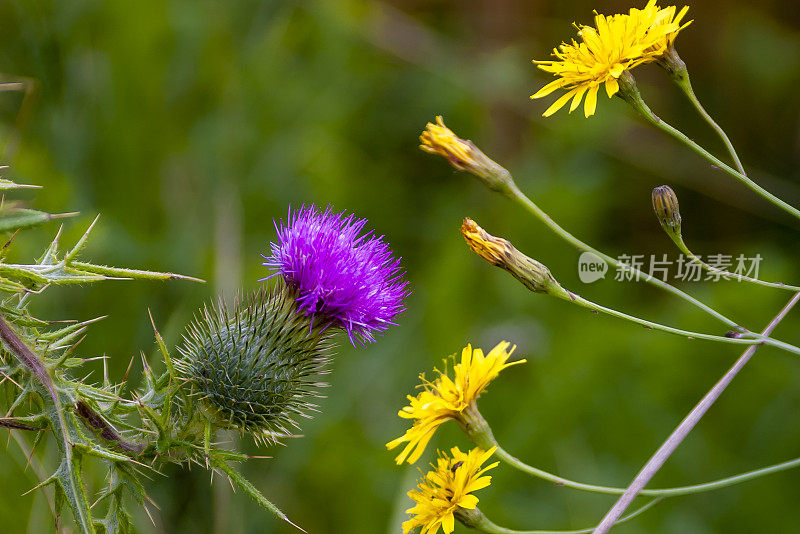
190,125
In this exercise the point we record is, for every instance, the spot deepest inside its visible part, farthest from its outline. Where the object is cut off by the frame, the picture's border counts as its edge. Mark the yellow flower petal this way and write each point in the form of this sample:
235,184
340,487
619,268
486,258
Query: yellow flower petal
612,86
591,101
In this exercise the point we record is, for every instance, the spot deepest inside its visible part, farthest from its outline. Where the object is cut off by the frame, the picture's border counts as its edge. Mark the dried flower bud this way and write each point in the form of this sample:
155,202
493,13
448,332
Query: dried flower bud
256,367
501,253
463,155
665,204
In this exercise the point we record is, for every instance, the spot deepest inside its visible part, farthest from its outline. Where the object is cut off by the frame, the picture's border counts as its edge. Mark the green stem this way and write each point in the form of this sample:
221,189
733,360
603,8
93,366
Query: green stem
678,240
485,525
520,198
514,193
630,94
657,326
477,429
686,87
510,460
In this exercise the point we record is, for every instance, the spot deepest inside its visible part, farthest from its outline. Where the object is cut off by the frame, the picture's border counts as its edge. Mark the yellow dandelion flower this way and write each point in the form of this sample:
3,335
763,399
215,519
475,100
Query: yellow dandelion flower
448,488
616,44
448,398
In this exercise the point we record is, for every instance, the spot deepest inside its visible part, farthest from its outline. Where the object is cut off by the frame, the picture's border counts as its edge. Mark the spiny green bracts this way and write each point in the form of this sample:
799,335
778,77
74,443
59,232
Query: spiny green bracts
256,368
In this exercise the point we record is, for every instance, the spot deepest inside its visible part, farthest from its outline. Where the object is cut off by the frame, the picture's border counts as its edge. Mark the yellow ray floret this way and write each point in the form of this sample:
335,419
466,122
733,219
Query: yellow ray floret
448,487
448,398
616,44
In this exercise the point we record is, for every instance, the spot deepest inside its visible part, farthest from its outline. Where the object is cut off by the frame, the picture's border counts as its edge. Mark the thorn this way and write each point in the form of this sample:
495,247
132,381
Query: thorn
64,215
8,243
106,381
290,522
7,377
152,322
38,486
30,456
80,244
151,501
145,365
128,370
148,514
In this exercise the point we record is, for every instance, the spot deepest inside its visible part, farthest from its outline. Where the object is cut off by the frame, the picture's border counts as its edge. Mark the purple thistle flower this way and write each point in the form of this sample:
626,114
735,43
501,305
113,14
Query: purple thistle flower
352,281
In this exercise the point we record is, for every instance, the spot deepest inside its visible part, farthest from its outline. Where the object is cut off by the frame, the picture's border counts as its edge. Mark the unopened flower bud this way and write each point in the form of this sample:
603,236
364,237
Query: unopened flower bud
463,155
501,253
665,204
254,368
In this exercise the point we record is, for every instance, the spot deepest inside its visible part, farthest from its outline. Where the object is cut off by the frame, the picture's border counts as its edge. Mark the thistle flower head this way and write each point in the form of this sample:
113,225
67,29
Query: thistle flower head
447,489
343,277
447,398
463,154
616,44
255,367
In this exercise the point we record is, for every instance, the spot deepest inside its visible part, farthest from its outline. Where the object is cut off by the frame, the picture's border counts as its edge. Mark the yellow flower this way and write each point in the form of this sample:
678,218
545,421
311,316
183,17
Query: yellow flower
439,139
450,485
667,24
449,398
462,154
616,44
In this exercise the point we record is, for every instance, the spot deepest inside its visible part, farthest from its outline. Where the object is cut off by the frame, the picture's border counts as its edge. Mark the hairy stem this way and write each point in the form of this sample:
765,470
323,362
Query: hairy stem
68,473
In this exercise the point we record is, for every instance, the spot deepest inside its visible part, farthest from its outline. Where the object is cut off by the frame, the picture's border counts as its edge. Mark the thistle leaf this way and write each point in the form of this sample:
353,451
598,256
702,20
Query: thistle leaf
12,219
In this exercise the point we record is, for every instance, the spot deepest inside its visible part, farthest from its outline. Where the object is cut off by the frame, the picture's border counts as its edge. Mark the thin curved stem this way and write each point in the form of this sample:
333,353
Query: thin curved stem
514,193
678,240
510,460
686,86
630,94
684,428
485,525
520,198
763,193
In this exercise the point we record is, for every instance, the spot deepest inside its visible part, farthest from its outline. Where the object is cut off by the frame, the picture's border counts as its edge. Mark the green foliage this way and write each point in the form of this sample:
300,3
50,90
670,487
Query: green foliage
130,436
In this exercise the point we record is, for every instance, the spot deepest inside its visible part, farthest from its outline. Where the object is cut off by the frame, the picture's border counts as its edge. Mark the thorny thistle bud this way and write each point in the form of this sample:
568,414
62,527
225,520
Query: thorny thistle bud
665,204
501,253
256,367
464,155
